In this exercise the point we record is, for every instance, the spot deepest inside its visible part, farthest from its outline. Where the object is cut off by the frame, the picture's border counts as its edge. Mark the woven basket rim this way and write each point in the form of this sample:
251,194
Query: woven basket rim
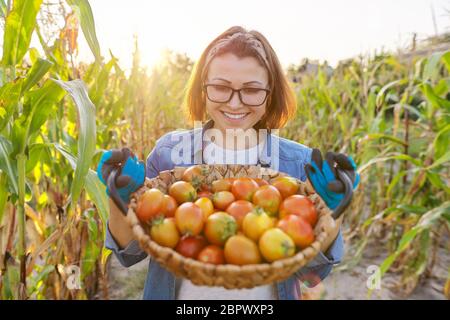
301,257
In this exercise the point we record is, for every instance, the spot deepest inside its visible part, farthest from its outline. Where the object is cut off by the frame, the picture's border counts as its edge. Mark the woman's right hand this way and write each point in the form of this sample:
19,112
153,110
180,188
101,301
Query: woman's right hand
132,174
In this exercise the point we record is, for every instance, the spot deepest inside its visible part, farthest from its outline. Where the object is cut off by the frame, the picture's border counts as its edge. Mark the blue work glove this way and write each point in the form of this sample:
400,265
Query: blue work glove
323,176
132,174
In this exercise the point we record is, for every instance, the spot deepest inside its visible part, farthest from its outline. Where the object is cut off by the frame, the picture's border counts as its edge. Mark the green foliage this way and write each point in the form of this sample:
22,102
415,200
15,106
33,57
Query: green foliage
391,115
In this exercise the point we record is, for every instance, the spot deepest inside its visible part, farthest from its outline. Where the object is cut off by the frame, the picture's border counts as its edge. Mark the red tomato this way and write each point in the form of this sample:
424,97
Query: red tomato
182,192
191,246
243,188
287,186
300,206
269,198
219,227
238,209
149,205
212,254
240,250
189,218
298,229
222,199
169,206
205,187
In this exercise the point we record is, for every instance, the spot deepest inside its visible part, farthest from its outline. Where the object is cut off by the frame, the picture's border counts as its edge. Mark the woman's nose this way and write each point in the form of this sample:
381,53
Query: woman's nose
235,101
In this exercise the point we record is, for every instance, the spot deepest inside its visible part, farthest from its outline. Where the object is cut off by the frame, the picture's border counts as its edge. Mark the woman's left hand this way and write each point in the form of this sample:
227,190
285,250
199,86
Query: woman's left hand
323,176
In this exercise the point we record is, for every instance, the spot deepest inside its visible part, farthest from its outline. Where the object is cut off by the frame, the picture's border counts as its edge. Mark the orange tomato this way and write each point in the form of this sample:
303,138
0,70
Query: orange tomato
240,250
300,206
221,185
243,188
269,198
149,205
223,199
219,227
169,206
287,186
275,244
298,229
260,181
239,209
189,218
164,232
182,191
255,223
206,205
195,175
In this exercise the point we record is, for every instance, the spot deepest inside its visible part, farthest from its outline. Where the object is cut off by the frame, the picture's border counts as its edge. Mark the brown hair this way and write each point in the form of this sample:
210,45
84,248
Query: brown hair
281,105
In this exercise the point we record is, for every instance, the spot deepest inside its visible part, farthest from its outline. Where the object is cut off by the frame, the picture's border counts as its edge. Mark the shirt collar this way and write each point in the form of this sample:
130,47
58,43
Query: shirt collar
264,157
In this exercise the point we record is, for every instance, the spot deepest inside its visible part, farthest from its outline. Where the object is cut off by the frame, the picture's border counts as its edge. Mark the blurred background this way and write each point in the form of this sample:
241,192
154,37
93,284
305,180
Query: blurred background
372,77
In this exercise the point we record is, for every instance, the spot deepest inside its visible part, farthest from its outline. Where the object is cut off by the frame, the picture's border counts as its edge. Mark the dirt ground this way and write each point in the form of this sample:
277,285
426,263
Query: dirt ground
349,283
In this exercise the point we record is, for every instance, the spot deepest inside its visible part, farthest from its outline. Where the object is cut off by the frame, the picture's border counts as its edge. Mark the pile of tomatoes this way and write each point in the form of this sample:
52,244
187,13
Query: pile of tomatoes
234,220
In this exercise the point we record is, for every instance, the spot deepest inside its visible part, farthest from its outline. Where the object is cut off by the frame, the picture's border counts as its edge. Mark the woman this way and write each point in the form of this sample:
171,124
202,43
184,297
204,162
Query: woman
238,86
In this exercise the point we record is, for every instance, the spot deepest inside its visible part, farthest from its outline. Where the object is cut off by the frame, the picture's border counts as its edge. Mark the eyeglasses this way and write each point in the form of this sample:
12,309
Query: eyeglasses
252,97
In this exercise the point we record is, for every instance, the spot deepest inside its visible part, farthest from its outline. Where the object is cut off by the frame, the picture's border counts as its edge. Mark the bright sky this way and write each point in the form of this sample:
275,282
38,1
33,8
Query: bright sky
320,29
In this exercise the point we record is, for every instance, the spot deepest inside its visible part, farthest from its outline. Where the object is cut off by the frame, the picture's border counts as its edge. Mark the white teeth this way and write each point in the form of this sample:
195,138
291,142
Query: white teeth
235,116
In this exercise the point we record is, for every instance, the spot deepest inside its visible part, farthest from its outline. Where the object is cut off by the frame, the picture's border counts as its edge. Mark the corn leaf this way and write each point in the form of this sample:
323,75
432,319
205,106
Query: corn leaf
84,13
9,99
3,9
3,195
432,66
6,165
87,134
19,27
99,86
37,71
445,158
446,60
425,222
94,187
92,250
441,141
404,157
382,94
434,99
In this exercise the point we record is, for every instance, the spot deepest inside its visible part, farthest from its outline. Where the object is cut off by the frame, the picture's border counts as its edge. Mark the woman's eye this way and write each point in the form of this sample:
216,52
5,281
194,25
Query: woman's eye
251,90
221,88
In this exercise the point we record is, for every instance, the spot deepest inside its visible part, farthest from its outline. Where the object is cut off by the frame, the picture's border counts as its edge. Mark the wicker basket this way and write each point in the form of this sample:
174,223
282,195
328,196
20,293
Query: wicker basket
228,276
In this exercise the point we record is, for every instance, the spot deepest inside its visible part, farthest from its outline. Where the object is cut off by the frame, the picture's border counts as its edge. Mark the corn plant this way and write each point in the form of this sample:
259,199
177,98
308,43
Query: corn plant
32,171
393,117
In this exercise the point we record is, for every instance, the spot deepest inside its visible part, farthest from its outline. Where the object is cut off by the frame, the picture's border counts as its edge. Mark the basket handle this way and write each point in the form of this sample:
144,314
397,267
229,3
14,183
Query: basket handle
123,207
348,193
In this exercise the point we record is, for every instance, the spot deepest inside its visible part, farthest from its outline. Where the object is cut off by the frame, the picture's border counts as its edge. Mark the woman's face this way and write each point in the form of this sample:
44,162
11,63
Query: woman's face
237,73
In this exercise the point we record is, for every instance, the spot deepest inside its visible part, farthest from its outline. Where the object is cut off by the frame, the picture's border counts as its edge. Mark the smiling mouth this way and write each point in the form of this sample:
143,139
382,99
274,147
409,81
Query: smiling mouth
234,116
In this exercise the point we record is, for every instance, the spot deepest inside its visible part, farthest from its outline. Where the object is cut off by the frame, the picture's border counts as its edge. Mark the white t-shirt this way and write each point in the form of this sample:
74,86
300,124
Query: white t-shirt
213,154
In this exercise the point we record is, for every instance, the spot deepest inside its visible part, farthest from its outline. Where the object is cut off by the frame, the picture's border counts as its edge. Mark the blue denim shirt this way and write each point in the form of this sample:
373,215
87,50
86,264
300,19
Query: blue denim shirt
279,154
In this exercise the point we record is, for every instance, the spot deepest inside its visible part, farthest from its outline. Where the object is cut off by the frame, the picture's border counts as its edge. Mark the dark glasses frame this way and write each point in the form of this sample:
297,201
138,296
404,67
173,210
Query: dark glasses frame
205,88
